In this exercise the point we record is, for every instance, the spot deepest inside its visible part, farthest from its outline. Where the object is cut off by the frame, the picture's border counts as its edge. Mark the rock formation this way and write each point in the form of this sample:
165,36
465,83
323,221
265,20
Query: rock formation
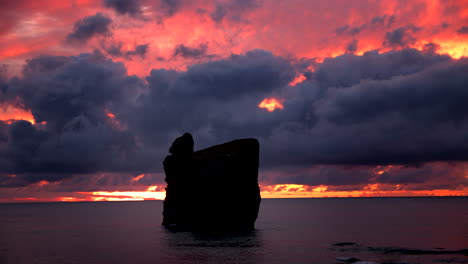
214,188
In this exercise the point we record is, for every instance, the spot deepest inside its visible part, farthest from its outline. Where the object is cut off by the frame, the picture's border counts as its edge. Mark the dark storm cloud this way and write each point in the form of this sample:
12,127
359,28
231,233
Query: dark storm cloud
115,50
139,50
3,90
190,52
352,113
58,89
44,64
88,27
349,30
463,30
384,20
376,23
349,70
210,96
434,175
129,7
344,114
403,111
3,132
429,176
431,47
352,46
253,73
73,95
400,37
324,175
108,182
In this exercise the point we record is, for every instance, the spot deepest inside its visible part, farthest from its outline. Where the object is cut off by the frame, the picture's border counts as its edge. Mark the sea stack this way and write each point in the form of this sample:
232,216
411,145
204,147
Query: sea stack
214,189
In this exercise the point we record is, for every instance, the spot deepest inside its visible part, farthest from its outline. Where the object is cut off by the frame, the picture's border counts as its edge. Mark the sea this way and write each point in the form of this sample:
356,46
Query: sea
320,230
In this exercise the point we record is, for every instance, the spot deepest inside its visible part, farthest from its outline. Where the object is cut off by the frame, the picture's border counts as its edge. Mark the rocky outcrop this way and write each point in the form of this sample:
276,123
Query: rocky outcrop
214,188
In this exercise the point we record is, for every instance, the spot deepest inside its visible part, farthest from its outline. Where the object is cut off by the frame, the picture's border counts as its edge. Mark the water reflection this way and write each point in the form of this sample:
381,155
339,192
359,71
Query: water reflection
190,247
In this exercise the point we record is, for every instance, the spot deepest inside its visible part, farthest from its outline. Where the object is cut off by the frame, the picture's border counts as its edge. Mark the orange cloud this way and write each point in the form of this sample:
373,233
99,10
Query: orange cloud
271,104
10,113
298,79
298,28
139,177
118,196
370,190
267,191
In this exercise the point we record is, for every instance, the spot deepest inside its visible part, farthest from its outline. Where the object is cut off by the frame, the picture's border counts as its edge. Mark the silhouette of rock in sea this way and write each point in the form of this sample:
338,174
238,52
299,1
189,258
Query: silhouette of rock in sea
214,189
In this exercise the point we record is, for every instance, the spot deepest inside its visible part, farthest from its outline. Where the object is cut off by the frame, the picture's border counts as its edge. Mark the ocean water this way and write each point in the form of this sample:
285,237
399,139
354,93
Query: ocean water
377,230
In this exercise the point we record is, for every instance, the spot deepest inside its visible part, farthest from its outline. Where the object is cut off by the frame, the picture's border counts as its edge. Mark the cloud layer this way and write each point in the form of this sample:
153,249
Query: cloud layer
352,113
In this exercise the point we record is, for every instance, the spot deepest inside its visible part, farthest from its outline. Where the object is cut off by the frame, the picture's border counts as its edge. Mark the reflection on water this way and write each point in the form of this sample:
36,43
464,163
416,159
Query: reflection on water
322,231
190,247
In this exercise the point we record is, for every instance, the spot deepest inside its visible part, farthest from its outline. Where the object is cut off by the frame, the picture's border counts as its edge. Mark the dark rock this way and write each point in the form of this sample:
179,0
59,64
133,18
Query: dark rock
182,146
214,189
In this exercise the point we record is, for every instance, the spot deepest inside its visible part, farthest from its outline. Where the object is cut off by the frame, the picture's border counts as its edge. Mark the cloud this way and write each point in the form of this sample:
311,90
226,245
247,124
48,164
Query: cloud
376,23
349,30
352,46
233,10
206,94
57,89
73,95
383,20
348,70
255,72
115,50
125,7
428,176
381,115
170,7
352,113
139,50
400,37
431,48
88,27
190,52
463,30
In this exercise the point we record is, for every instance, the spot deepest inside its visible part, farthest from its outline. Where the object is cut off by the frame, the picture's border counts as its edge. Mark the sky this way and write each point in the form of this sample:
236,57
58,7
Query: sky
347,98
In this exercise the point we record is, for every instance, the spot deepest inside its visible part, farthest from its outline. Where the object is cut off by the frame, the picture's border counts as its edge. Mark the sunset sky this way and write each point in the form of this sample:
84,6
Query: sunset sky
347,98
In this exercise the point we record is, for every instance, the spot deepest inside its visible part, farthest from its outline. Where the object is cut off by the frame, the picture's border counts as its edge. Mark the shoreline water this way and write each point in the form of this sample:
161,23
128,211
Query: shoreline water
411,230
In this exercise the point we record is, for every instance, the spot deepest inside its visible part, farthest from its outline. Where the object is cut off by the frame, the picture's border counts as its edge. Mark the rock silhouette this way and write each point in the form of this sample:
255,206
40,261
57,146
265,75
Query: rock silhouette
212,189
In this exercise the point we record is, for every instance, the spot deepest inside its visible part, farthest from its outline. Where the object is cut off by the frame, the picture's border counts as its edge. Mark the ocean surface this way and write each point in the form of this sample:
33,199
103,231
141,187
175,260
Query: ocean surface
346,230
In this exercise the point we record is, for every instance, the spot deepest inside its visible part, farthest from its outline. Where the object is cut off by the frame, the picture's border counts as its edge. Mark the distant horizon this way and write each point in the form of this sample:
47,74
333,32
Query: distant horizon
282,197
157,200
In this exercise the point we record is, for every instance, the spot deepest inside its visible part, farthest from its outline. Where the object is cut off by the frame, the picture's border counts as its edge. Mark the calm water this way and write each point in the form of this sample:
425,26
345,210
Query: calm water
382,230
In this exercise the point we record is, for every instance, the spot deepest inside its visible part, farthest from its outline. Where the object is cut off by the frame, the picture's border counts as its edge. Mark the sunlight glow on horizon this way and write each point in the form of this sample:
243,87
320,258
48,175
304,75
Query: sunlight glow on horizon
370,190
149,194
267,192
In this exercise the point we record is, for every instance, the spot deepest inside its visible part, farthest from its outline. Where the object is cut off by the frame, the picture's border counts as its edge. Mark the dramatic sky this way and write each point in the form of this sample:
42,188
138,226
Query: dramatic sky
347,98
